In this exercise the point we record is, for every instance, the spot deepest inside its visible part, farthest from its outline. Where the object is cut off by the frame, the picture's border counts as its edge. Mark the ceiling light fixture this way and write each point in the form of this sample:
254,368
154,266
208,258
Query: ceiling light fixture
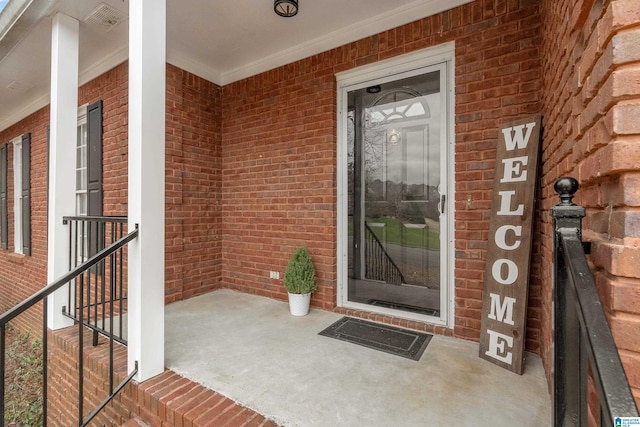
286,8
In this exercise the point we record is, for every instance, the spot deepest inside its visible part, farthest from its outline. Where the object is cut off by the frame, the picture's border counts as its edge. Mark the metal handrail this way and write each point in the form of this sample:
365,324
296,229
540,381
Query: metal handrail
387,270
40,296
118,219
108,399
105,287
582,336
48,290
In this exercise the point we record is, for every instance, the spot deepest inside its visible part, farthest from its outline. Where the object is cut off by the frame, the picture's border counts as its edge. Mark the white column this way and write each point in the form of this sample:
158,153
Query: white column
147,62
64,122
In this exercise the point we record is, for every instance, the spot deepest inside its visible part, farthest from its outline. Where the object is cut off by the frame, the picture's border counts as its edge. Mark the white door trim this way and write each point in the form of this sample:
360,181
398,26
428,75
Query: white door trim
402,66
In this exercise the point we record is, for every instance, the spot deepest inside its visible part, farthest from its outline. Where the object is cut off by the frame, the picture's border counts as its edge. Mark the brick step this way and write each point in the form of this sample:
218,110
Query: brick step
172,400
135,422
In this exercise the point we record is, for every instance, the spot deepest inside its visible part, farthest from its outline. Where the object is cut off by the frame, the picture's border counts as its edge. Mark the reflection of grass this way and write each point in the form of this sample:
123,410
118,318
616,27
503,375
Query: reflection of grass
396,232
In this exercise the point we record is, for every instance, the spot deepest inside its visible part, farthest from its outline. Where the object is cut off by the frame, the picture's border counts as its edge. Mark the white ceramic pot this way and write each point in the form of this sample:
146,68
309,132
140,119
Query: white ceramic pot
299,304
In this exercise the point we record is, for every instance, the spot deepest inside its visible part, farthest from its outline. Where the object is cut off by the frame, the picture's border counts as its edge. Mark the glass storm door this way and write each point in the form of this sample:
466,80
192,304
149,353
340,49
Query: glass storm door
396,169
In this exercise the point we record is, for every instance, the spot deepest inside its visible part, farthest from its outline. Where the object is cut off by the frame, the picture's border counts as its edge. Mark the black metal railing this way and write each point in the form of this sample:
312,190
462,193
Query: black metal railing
40,297
582,339
98,296
379,264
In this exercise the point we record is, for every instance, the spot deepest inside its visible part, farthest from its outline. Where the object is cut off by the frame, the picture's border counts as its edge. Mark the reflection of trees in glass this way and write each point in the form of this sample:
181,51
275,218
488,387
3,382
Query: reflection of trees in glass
383,196
374,137
395,204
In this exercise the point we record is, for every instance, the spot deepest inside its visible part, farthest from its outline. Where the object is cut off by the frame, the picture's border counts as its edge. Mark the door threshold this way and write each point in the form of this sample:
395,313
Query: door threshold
405,307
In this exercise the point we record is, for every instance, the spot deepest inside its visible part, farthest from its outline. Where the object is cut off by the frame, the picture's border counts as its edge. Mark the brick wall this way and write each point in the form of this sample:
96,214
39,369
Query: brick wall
21,276
62,393
279,150
193,182
192,186
112,89
591,103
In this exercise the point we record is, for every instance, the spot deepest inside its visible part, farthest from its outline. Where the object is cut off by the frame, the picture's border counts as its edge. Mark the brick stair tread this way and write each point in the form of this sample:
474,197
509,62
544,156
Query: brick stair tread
134,422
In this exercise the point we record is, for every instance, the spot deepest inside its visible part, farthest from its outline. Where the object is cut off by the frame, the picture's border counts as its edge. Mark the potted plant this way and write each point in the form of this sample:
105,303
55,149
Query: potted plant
299,281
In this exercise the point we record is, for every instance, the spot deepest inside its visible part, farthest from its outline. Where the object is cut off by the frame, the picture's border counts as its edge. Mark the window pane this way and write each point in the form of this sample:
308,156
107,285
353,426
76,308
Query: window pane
81,180
81,203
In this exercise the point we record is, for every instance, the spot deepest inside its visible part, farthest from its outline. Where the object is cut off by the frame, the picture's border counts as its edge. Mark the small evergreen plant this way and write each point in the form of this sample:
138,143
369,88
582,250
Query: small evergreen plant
300,276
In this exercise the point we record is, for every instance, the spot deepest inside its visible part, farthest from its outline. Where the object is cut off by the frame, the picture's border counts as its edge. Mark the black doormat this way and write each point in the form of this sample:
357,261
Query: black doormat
398,341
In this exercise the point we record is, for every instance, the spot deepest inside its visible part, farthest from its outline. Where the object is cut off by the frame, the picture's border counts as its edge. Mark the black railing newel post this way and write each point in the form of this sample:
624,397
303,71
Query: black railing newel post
582,338
567,408
567,214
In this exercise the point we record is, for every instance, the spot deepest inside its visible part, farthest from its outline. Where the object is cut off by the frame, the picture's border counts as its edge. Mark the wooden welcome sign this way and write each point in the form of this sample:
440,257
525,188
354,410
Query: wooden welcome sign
506,277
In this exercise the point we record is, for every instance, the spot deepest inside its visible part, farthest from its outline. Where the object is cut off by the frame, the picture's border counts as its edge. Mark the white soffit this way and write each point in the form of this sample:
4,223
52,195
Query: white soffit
222,42
396,17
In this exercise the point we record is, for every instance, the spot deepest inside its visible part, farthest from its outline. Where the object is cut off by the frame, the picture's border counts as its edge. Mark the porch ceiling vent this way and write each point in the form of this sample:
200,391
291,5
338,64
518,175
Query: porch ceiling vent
105,17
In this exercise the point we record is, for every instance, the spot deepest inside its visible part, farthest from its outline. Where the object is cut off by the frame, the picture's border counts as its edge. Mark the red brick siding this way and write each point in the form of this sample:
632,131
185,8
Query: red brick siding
21,276
62,393
497,80
591,102
193,181
279,150
193,176
112,89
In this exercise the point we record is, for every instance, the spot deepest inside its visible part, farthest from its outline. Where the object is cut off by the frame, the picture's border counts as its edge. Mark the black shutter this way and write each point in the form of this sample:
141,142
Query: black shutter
94,174
26,194
4,211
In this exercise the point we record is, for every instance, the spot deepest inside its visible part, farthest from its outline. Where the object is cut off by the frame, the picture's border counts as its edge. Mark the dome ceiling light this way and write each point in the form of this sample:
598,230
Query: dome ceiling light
286,8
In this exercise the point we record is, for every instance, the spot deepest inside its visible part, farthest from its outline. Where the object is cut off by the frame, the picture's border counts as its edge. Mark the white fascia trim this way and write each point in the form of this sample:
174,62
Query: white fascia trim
17,20
375,25
182,61
12,11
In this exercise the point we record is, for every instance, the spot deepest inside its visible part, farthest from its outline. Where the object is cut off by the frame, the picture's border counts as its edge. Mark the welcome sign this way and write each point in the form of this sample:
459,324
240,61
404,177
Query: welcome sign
506,277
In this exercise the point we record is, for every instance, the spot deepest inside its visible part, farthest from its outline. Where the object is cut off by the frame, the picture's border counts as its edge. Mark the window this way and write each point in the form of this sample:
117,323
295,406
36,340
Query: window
21,195
81,181
81,163
17,194
89,176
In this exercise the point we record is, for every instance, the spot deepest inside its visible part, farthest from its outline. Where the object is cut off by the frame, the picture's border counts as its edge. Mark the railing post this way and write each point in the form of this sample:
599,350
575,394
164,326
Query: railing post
567,214
568,407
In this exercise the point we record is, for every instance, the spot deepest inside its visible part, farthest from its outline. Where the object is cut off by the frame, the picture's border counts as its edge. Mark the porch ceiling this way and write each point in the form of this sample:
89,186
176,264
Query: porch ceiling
222,41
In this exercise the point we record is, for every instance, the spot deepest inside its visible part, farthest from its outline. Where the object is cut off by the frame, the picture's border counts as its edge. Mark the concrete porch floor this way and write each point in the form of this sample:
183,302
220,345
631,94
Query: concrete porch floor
253,351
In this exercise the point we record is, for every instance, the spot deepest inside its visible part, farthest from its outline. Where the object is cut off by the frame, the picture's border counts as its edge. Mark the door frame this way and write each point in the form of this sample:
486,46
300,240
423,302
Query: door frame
392,69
